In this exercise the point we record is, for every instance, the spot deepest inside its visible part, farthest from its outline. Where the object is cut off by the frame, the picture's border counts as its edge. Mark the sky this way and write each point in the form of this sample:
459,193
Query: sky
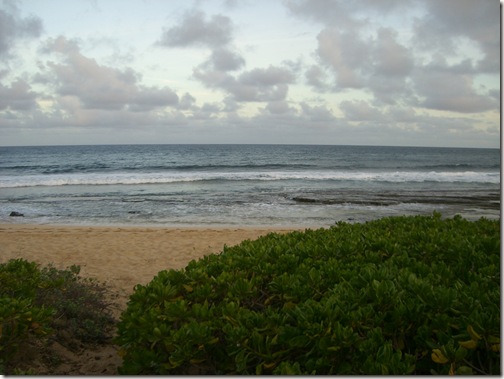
336,72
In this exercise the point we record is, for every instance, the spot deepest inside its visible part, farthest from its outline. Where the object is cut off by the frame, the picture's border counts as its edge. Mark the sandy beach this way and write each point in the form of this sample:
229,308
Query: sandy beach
119,256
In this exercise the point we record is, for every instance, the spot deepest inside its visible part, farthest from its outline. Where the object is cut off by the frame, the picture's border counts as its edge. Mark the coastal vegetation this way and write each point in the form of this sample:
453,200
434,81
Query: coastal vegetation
40,306
400,295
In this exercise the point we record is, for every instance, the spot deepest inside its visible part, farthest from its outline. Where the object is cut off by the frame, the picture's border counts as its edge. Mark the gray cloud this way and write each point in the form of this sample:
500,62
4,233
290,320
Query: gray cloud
345,53
207,111
345,14
339,13
264,77
260,84
405,57
381,65
195,30
13,27
399,72
390,58
445,90
102,87
18,96
317,77
224,59
316,113
148,98
447,21
186,102
280,107
360,111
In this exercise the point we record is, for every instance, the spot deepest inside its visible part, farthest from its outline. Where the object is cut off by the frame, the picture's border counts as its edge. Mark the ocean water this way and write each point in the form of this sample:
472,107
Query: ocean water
243,185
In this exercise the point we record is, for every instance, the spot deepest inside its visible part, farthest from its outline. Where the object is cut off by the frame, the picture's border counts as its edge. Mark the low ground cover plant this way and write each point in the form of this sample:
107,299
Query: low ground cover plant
42,303
400,295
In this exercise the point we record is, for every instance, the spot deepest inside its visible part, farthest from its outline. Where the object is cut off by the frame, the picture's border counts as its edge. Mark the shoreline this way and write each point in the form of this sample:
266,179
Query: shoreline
32,225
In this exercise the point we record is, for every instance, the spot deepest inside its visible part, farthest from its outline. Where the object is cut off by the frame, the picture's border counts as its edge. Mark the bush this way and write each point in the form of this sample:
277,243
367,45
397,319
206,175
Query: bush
401,295
39,302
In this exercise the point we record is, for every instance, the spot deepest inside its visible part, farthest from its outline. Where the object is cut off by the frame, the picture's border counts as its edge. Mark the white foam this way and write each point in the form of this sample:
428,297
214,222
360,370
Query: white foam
166,178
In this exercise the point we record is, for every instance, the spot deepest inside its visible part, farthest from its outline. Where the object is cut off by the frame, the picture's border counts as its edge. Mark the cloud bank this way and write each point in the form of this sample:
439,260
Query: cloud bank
387,72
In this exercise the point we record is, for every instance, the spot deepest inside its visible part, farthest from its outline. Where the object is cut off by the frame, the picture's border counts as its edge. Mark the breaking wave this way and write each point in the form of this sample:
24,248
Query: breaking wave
174,177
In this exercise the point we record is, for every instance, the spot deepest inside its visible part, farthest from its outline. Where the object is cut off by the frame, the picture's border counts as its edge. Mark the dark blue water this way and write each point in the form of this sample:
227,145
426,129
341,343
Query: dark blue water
250,185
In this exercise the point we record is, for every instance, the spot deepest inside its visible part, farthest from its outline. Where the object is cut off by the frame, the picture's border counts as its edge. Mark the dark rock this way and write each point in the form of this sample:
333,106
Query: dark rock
16,214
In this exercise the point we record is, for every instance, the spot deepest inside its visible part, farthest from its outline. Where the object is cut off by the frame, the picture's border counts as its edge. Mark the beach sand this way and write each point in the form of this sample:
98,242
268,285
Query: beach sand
120,257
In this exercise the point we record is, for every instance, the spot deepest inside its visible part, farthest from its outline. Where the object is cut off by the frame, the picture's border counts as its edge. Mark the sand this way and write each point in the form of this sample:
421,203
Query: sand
120,257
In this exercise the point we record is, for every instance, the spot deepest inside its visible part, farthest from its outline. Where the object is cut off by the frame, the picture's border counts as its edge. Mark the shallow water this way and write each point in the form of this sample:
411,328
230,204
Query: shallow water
266,185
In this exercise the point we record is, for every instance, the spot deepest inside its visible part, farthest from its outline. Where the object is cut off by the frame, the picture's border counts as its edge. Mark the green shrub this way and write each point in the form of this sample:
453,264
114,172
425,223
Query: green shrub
401,295
19,317
37,302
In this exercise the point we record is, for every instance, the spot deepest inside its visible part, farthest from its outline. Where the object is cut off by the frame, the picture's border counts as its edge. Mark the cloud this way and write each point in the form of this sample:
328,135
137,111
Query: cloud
280,107
390,58
447,22
186,102
206,112
344,14
14,28
360,111
317,77
18,96
356,52
259,84
379,65
224,59
195,30
338,13
445,90
316,113
384,72
264,77
355,61
345,53
102,87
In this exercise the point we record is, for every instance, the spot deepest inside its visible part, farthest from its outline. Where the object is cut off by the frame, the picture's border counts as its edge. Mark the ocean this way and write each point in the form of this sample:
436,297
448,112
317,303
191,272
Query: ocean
243,185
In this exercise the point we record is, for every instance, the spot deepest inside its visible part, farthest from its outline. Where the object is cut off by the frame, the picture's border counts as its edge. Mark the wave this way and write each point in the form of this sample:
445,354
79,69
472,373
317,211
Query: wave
180,177
81,168
459,166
